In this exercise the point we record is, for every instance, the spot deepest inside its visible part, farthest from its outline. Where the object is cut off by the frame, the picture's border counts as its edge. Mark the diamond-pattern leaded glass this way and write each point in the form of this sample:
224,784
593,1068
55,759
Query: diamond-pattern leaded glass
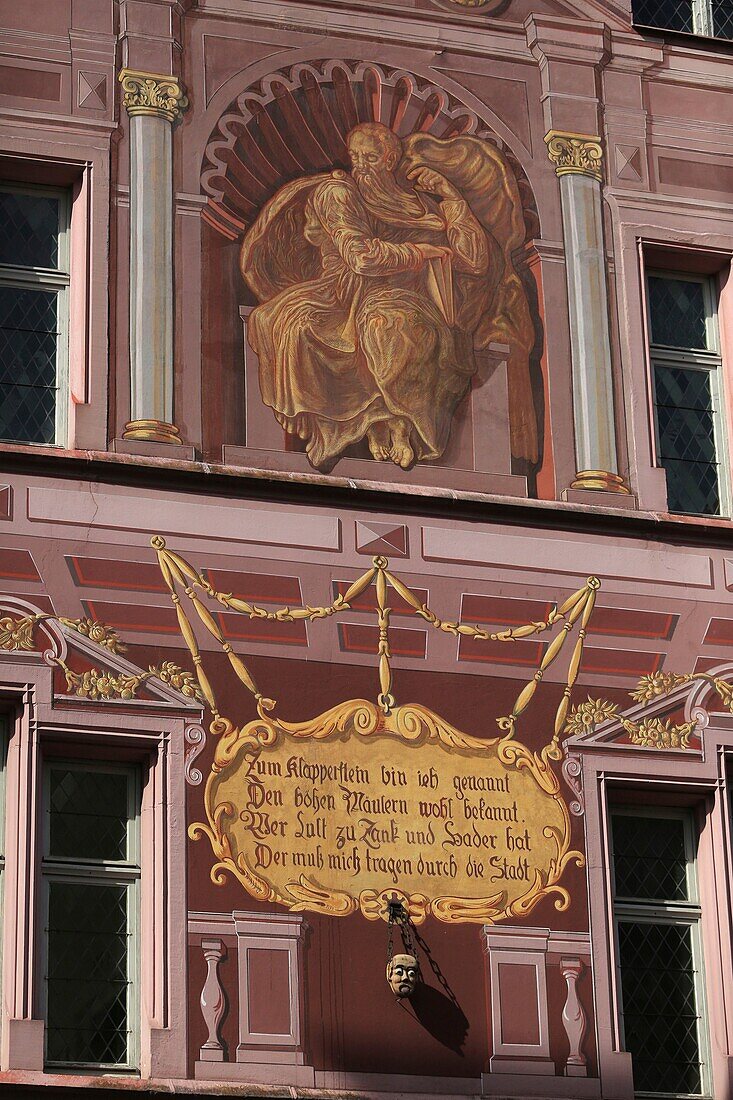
673,15
723,18
29,230
649,858
677,312
87,979
28,352
686,431
660,1006
88,812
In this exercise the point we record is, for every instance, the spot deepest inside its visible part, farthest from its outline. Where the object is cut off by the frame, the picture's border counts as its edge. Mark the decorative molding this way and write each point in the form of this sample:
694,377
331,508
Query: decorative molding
573,775
575,154
152,431
152,94
597,480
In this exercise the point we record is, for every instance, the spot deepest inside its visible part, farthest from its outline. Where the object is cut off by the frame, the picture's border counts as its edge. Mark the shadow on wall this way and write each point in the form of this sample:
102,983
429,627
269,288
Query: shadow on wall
436,1010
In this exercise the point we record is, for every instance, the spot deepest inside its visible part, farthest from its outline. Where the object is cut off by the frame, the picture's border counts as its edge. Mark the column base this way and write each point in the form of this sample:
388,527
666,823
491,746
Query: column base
153,431
600,481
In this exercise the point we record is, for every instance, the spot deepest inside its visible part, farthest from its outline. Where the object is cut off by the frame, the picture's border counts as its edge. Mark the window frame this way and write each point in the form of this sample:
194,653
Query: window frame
709,360
703,23
687,913
56,280
77,870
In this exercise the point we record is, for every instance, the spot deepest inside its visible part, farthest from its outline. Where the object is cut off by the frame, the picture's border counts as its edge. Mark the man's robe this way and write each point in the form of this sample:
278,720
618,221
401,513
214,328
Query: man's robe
366,340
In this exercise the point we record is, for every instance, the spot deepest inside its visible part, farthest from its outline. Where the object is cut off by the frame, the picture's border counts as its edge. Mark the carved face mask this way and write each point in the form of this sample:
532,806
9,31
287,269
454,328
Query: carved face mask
402,975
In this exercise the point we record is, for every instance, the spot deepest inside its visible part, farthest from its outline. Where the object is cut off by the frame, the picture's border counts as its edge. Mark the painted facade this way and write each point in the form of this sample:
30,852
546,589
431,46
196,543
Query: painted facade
353,541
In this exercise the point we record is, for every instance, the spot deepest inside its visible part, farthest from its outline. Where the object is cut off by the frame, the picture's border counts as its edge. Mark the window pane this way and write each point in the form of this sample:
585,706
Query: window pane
674,15
87,980
723,18
649,858
677,313
29,230
659,1006
28,350
88,814
686,432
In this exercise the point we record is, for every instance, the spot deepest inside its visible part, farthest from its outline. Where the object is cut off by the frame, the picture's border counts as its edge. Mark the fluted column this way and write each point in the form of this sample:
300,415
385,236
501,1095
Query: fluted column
578,160
154,103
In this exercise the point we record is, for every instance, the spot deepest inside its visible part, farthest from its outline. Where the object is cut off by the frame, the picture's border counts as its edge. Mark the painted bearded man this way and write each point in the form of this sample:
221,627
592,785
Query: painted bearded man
372,289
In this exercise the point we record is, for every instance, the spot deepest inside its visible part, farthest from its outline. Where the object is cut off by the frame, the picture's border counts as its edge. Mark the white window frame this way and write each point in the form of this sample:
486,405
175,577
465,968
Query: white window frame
687,913
127,873
50,279
710,361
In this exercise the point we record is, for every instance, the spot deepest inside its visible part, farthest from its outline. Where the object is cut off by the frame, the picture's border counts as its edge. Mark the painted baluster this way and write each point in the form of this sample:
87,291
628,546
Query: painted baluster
574,1019
213,1001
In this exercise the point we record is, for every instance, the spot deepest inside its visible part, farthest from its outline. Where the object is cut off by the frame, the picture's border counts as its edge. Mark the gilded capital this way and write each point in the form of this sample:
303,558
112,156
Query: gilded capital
577,154
152,94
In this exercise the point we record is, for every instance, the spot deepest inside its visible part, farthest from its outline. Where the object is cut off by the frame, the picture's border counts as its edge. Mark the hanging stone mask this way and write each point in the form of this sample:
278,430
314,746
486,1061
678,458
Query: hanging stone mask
403,975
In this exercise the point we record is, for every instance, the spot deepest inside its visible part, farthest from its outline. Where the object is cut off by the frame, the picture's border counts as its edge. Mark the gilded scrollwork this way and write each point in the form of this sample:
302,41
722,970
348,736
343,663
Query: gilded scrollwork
575,154
152,94
94,683
19,634
650,732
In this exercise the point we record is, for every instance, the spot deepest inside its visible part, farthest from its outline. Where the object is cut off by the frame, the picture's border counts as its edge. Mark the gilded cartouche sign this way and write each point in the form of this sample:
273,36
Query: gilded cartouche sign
356,808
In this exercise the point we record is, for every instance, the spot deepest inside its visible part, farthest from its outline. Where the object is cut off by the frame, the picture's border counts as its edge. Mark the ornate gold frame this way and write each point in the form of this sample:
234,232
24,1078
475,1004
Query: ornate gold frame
414,725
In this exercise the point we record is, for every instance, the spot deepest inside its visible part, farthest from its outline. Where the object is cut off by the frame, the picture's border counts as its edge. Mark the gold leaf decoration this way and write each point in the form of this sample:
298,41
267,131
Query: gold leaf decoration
660,733
585,717
100,633
17,634
659,683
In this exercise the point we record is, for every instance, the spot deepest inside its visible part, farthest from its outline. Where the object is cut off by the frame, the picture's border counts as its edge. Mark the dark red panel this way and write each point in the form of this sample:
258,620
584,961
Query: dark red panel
137,576
241,628
130,616
704,664
620,662
526,654
632,624
257,587
501,611
134,576
719,632
18,565
367,601
364,639
39,600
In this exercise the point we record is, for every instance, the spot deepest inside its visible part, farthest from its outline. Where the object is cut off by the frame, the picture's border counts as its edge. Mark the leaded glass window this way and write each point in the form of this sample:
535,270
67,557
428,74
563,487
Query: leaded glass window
34,281
657,918
685,360
91,873
711,18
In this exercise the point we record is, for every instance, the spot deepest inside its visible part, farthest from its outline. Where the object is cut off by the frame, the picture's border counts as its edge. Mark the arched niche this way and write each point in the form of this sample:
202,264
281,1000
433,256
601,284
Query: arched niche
293,123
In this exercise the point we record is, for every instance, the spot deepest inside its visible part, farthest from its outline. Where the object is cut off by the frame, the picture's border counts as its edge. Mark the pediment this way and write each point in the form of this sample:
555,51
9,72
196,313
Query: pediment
88,662
669,711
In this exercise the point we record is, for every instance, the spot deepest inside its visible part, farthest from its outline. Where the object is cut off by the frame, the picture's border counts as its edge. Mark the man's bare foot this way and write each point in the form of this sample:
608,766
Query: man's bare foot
400,450
379,441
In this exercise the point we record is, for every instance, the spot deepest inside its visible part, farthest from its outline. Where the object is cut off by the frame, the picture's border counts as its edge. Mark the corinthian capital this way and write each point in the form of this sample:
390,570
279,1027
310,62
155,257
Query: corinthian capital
152,94
579,154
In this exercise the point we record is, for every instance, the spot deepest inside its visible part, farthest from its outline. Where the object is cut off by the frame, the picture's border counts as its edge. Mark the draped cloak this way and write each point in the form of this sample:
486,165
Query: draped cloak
350,330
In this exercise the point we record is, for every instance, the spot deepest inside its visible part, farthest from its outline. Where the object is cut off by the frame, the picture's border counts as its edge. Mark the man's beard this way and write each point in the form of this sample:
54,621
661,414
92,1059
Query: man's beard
385,198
